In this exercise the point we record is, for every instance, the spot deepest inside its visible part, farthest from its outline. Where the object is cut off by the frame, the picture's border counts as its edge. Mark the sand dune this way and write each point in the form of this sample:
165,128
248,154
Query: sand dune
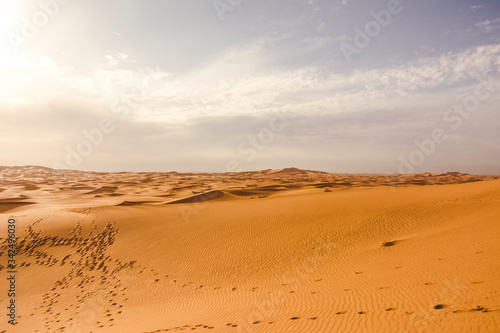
207,196
270,251
8,205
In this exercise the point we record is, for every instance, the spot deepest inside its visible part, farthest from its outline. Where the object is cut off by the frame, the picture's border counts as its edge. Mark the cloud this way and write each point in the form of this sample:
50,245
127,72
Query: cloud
312,90
47,62
242,83
118,58
474,8
488,26
200,114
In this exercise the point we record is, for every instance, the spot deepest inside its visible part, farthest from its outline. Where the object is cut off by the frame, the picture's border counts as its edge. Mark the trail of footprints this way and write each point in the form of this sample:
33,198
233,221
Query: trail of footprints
101,291
94,273
296,318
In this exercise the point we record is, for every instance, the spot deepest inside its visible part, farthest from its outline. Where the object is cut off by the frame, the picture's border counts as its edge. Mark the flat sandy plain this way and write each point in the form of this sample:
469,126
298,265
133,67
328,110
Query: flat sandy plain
270,251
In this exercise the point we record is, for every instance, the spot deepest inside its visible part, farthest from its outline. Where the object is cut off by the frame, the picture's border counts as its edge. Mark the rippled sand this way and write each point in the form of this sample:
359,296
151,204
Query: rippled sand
283,250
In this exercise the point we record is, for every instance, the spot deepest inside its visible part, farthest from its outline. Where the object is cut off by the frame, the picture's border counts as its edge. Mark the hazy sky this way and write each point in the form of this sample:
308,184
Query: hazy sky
198,85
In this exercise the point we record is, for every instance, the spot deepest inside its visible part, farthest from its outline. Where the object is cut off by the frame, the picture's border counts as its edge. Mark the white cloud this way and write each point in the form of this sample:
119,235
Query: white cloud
47,62
476,7
118,58
489,26
241,83
310,90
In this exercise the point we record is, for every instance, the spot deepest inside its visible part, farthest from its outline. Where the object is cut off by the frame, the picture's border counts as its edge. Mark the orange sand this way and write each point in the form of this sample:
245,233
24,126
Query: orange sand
270,251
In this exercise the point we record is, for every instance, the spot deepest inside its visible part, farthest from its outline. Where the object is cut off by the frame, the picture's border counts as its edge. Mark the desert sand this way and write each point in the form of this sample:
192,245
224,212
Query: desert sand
284,250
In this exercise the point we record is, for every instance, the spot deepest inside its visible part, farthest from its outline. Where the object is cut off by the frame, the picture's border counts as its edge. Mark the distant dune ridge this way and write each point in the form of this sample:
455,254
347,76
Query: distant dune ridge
277,250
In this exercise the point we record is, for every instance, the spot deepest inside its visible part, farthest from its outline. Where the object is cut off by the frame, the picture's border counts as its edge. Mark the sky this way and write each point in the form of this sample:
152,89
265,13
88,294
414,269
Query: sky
345,86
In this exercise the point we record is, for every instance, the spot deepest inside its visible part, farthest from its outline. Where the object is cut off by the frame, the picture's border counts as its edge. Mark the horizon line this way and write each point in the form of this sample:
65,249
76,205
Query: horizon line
247,171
